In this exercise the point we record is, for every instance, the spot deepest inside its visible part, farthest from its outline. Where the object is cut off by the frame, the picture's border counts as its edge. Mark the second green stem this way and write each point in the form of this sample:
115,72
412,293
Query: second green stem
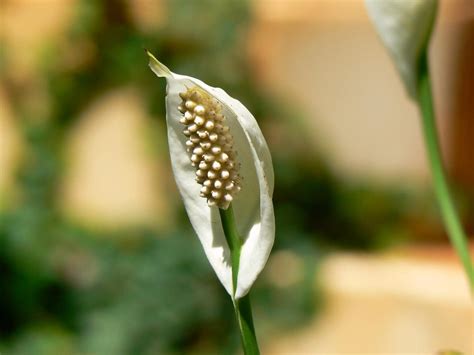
448,210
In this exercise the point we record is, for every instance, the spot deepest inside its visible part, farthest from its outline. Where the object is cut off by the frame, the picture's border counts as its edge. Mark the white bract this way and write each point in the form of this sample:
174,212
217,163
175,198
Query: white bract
218,155
405,28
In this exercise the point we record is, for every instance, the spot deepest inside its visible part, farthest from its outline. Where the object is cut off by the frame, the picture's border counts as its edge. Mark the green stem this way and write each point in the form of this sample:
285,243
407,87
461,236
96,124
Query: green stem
242,307
443,195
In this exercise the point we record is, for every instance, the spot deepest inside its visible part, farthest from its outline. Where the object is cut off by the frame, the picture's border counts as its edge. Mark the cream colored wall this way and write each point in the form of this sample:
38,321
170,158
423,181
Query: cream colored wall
412,302
112,178
325,56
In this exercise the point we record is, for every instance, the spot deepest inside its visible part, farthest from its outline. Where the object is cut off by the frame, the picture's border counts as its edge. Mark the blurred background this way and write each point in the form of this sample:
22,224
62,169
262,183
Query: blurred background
96,252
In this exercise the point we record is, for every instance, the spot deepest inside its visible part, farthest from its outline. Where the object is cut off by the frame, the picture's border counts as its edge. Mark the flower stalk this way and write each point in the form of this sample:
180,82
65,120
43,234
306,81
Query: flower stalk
450,216
242,306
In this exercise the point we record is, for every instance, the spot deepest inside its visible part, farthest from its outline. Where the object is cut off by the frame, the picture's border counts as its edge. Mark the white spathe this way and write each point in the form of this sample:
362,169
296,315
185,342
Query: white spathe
405,28
252,206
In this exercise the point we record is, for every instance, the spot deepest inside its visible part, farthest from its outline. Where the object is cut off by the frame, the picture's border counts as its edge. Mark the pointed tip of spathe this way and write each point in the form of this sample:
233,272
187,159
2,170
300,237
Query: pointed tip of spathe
148,53
156,66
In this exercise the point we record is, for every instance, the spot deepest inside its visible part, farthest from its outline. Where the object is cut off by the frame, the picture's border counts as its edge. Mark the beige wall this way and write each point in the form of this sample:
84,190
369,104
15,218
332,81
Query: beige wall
411,302
325,56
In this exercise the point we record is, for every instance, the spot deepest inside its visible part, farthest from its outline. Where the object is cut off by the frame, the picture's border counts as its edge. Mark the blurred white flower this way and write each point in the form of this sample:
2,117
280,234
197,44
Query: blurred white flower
219,155
405,28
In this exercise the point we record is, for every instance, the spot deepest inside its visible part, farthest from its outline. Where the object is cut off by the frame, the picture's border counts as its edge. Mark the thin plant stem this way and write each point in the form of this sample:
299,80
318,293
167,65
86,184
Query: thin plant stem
450,216
242,306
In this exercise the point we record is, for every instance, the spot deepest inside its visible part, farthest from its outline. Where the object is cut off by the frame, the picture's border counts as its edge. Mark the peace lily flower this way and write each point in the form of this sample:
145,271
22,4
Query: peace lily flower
405,28
219,156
